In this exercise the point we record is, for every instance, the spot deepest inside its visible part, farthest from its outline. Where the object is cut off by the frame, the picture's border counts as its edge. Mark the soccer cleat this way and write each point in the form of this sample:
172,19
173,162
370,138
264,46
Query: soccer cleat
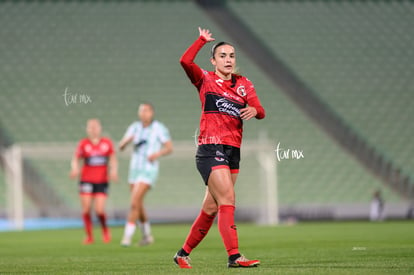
88,240
126,241
243,262
146,241
106,236
182,262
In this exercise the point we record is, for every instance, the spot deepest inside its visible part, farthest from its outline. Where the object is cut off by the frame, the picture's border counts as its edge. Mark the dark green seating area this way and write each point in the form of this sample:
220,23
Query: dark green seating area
115,55
357,56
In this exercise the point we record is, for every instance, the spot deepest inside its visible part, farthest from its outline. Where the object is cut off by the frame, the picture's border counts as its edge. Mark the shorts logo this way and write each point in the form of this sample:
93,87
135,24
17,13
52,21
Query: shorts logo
86,188
219,159
218,153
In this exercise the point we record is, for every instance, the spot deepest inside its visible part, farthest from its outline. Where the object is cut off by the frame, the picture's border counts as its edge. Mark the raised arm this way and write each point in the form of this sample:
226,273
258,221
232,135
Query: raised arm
192,70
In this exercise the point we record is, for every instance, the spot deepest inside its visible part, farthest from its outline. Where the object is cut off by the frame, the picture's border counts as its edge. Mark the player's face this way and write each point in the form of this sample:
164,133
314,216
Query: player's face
145,113
224,60
93,128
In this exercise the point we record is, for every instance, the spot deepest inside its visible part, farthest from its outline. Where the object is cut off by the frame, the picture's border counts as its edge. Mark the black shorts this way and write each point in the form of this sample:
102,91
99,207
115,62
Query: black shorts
214,156
93,189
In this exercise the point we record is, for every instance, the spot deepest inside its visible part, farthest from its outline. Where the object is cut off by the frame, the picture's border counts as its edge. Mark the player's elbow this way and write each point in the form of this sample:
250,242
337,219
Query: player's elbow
183,62
261,113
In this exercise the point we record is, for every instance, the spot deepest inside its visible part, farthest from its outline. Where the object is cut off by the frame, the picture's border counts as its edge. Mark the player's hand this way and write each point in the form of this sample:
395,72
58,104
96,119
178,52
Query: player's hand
248,113
73,174
153,157
206,34
114,177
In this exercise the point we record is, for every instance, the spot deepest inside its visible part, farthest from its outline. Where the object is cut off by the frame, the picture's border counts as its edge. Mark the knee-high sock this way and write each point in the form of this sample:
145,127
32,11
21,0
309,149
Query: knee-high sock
102,220
129,230
228,229
198,231
145,228
87,222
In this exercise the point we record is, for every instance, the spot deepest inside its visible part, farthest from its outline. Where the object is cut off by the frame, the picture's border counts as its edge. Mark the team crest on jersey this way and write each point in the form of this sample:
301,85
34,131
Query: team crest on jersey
241,91
88,148
104,147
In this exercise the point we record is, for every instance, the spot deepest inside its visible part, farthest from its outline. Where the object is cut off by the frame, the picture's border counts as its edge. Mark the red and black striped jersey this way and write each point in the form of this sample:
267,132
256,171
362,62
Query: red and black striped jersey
221,101
96,158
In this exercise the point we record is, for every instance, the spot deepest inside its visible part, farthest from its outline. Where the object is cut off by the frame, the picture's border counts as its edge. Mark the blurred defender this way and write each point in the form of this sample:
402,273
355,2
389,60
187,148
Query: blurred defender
151,140
97,154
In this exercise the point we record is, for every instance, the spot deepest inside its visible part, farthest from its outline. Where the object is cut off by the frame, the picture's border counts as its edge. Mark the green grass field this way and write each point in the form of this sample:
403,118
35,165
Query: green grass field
306,248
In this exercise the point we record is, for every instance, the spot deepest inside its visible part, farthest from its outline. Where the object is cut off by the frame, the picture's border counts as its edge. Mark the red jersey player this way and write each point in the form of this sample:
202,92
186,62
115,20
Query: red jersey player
226,100
97,153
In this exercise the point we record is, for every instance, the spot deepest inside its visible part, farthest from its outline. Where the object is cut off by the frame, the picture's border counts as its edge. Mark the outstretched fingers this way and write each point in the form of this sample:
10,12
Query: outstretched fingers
206,34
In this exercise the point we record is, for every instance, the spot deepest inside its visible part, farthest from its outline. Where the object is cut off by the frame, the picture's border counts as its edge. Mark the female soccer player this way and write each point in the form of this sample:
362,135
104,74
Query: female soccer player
226,100
97,153
151,140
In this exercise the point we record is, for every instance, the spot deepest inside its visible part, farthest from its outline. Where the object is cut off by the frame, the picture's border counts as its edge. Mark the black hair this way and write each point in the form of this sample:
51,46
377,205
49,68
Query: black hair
215,46
213,51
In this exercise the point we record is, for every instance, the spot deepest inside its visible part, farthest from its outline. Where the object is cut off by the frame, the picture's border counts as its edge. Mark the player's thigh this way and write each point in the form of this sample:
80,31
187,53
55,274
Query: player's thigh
221,187
86,202
234,177
139,191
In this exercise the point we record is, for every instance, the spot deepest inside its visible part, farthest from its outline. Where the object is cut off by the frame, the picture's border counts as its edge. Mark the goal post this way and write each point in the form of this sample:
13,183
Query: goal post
268,180
12,158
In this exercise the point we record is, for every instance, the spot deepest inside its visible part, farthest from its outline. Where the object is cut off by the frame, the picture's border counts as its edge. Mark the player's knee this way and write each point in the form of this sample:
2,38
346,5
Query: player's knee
210,208
135,206
212,211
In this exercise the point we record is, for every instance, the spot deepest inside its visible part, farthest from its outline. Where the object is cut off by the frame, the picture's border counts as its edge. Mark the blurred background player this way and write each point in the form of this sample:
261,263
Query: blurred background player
377,207
97,154
151,140
226,100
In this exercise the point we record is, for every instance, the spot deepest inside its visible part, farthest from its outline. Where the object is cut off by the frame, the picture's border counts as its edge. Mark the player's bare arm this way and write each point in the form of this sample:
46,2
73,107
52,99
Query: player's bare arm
75,171
124,142
166,149
113,168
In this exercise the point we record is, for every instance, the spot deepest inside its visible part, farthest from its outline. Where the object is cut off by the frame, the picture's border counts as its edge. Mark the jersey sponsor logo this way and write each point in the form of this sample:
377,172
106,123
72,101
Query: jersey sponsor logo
139,144
241,91
225,106
219,159
96,160
215,103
